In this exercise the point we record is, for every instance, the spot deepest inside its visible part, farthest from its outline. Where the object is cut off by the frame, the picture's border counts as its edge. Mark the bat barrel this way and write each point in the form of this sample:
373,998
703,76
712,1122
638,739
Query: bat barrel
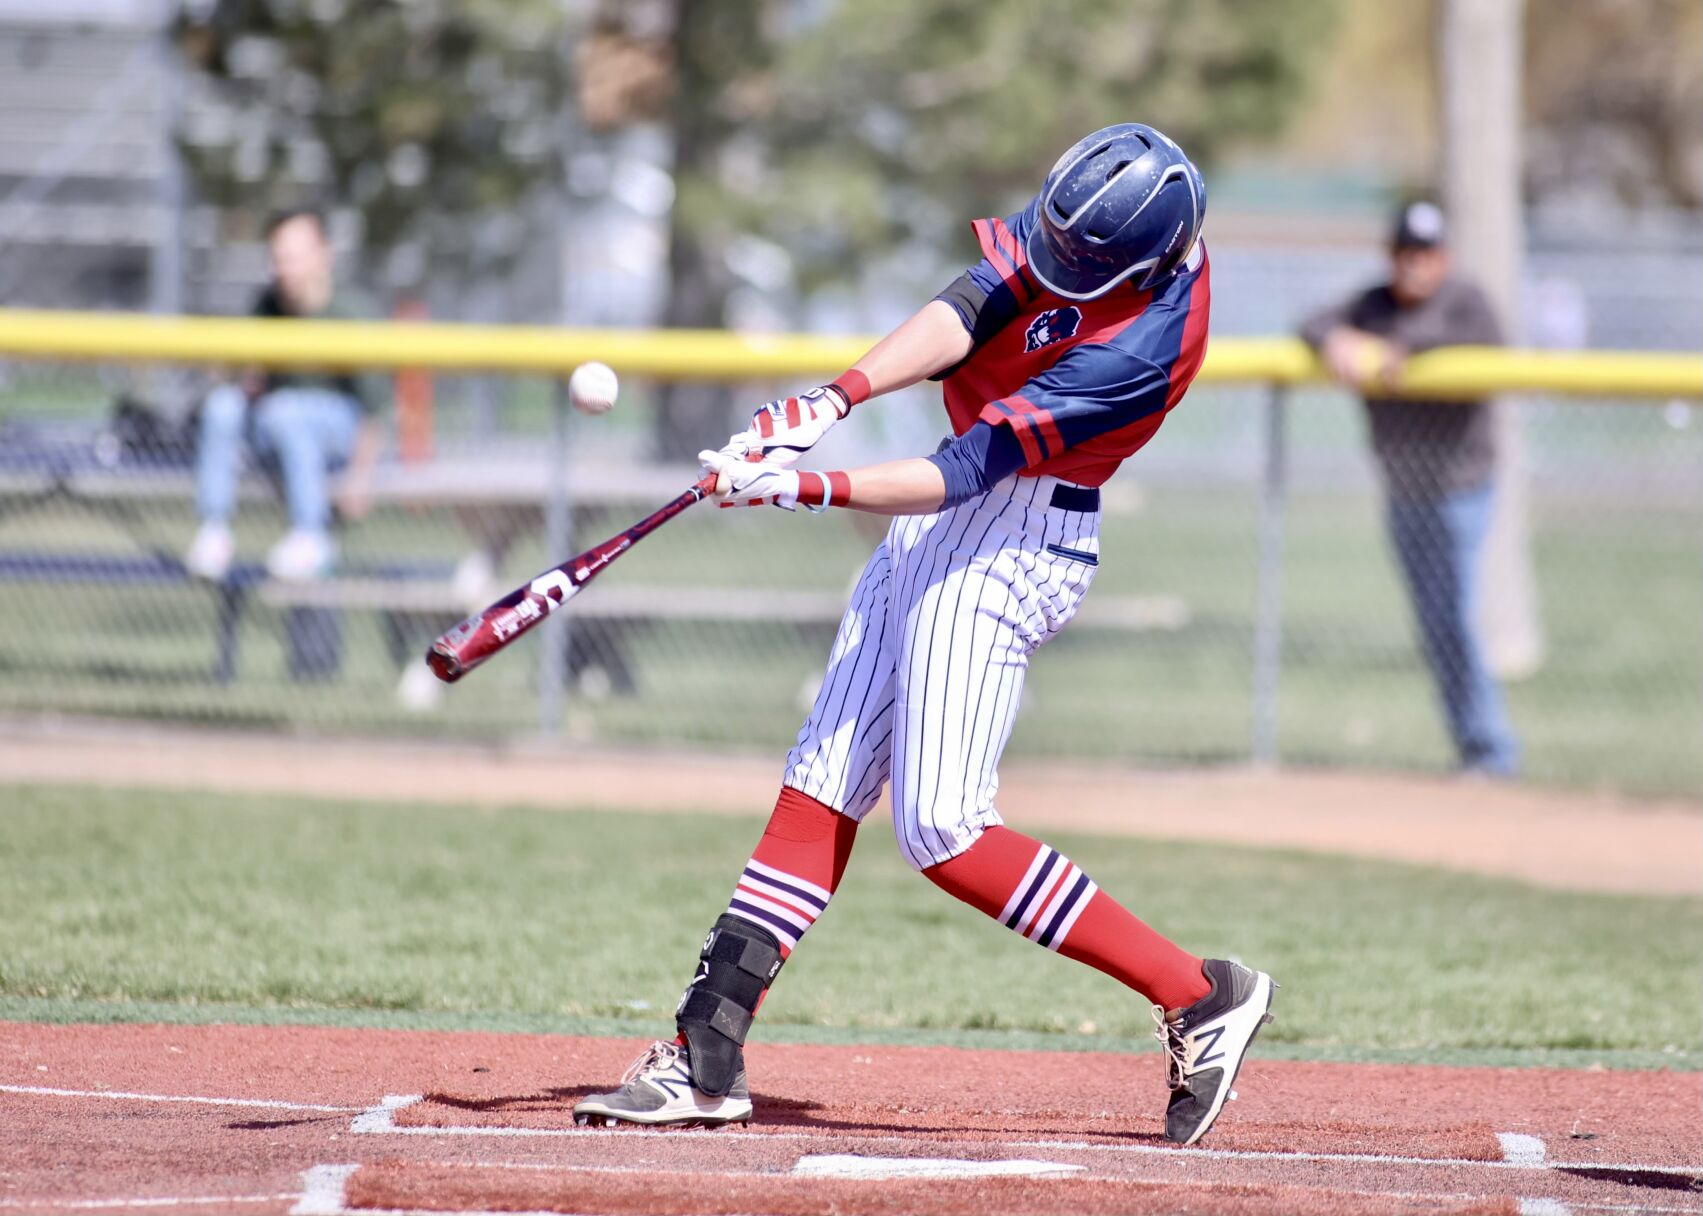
445,664
459,650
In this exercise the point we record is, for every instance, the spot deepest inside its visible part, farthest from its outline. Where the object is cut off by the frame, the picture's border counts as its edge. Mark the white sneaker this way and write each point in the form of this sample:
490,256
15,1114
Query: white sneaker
1205,1045
211,552
301,557
658,1091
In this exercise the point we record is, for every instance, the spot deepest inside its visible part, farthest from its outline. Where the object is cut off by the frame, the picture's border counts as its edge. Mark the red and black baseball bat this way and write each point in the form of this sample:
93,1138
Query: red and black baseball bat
461,649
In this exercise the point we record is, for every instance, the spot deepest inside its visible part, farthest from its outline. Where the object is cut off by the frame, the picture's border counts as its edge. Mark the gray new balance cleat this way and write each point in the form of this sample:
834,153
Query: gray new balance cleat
1204,1046
657,1091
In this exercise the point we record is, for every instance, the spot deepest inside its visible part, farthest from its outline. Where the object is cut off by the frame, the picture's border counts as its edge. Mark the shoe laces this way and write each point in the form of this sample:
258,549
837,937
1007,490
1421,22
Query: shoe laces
1171,1037
660,1056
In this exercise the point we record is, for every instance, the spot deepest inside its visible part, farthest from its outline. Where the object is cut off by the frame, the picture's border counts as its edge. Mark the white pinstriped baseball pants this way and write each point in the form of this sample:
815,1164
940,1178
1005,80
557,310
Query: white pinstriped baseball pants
927,670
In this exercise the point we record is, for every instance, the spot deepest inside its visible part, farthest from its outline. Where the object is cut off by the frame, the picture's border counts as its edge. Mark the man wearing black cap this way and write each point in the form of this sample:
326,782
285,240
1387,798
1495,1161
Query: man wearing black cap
1438,460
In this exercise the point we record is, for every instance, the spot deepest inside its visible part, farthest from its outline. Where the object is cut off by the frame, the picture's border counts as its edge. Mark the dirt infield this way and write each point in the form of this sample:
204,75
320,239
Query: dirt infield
321,1121
1554,838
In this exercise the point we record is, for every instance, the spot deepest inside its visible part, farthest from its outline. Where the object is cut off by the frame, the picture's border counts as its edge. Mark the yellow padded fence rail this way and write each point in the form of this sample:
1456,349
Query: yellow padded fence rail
720,355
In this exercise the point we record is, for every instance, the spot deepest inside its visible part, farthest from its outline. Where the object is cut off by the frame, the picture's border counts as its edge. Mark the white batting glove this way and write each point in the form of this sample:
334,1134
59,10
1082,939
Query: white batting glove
750,483
784,430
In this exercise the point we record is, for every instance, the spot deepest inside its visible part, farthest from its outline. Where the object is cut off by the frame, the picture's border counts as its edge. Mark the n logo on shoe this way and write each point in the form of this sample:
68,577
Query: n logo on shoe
1207,1055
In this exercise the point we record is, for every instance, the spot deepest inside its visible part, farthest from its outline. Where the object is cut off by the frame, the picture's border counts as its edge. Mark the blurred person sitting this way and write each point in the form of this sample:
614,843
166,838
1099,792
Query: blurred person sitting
309,423
1438,460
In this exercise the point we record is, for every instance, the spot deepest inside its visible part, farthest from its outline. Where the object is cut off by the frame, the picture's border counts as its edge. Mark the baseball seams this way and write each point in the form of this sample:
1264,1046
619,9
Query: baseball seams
927,669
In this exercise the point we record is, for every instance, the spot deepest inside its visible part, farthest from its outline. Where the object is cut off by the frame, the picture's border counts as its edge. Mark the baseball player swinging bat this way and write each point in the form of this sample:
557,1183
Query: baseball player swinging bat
459,650
1059,354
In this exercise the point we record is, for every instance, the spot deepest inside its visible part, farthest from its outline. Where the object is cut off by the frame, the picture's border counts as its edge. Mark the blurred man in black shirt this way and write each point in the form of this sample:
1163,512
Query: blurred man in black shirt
1438,460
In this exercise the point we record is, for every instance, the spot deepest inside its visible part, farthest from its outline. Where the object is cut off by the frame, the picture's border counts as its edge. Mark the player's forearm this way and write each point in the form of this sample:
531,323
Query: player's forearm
899,487
931,340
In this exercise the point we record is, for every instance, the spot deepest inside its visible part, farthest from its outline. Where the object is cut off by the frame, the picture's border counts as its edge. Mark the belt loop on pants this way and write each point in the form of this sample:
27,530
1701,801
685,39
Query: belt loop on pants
1076,498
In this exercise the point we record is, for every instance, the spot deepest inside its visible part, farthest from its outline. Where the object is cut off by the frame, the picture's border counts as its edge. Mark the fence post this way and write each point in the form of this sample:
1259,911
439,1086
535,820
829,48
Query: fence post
1268,591
558,534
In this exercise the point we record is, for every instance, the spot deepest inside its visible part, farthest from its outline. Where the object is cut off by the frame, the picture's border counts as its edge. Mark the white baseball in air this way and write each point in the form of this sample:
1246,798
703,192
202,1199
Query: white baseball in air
592,388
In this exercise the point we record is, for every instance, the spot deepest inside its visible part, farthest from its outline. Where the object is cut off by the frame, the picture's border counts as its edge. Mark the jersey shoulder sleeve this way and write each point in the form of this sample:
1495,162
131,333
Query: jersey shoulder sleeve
989,294
1171,331
1002,241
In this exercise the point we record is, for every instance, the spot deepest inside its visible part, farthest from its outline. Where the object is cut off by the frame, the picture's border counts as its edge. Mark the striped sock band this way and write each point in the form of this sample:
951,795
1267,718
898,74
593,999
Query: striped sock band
782,903
1035,890
1052,895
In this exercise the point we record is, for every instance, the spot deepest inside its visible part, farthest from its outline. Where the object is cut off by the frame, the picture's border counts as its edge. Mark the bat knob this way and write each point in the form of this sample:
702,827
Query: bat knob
444,665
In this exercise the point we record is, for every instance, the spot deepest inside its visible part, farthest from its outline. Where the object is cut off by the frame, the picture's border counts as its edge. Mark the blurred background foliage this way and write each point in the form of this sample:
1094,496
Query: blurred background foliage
887,124
855,134
1614,95
859,133
844,132
430,119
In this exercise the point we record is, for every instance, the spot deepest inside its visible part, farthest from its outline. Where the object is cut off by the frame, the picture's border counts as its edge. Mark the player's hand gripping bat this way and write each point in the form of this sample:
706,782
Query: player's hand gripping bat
461,649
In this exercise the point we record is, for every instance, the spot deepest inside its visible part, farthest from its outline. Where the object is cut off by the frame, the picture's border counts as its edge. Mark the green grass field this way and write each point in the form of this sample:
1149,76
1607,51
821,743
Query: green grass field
166,906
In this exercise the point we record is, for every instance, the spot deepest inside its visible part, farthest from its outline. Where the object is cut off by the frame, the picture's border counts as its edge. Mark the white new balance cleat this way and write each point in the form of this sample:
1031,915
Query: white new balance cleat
1205,1044
657,1091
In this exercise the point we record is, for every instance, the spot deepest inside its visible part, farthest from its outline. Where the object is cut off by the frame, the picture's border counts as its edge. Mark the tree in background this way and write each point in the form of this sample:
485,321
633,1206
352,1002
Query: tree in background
895,122
433,120
853,133
1614,97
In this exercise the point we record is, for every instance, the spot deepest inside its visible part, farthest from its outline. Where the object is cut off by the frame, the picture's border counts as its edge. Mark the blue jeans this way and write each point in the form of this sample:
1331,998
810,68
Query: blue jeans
1439,542
309,432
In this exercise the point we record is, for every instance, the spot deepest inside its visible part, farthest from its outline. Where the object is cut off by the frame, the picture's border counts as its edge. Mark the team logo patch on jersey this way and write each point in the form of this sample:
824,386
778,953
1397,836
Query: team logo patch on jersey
1054,325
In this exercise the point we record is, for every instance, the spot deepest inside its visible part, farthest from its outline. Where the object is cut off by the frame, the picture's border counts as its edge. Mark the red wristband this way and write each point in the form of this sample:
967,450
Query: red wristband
853,386
823,490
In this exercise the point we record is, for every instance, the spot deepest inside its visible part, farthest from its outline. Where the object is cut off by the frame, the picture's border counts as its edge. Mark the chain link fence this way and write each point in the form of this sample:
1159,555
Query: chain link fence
1250,602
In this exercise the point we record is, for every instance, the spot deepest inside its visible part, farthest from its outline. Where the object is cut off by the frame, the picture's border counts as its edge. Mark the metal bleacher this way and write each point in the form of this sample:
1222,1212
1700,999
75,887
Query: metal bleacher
79,157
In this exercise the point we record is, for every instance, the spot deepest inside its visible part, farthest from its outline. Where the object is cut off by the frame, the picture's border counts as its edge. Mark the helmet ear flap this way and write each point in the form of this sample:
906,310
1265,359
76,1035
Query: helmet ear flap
1186,232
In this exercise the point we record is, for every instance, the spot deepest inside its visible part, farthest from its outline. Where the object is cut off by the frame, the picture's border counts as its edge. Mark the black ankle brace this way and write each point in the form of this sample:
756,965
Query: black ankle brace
738,963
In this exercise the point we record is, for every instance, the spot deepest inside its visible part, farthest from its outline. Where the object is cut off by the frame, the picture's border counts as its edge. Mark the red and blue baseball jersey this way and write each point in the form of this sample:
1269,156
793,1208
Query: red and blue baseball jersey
1083,384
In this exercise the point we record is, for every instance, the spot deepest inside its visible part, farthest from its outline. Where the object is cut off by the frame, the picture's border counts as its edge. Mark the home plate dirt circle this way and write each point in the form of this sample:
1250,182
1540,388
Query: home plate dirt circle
327,1121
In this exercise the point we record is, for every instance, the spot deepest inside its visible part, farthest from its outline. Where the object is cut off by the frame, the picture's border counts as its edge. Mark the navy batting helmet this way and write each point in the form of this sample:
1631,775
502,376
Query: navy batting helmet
1125,203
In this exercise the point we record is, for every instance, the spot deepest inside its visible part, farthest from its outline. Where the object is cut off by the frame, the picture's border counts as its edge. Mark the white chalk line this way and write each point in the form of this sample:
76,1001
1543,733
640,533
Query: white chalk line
381,1120
1520,1152
898,1169
167,1201
116,1095
324,1189
325,1192
835,1165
